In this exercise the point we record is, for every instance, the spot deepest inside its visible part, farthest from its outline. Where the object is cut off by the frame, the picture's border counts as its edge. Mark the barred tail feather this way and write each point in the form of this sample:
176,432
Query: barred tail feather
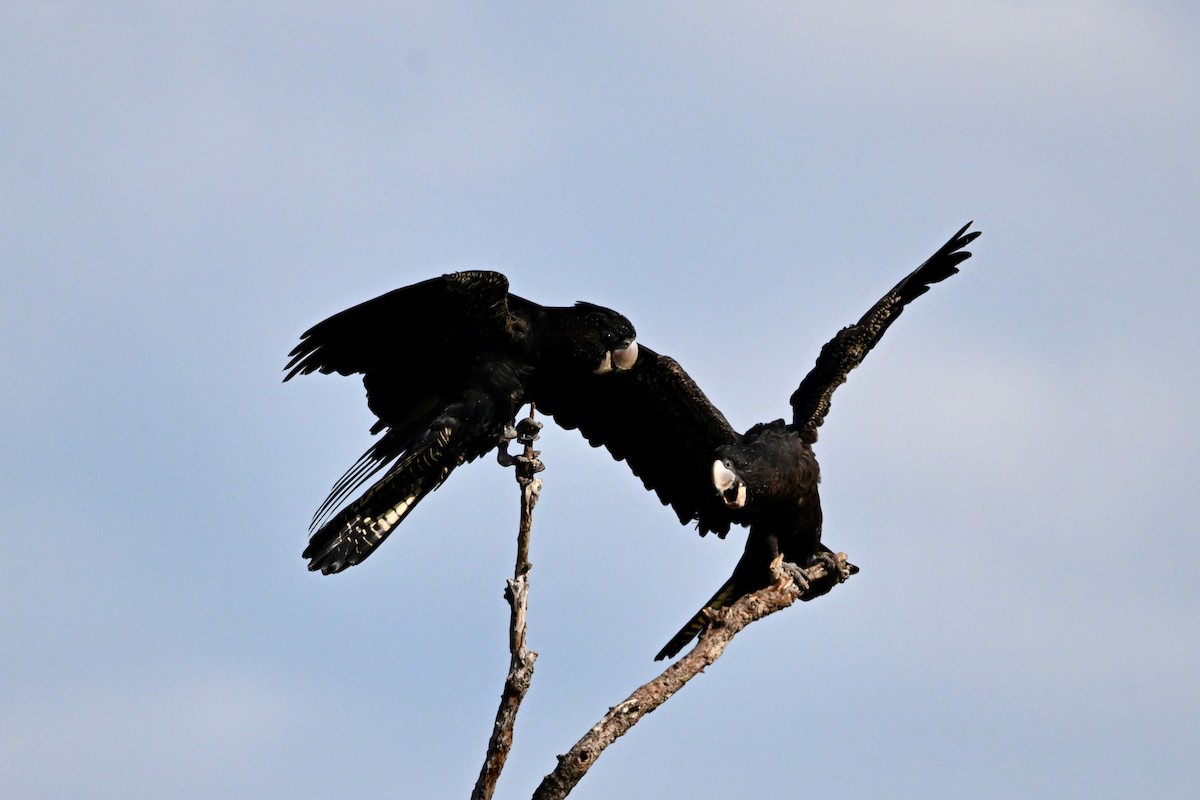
356,531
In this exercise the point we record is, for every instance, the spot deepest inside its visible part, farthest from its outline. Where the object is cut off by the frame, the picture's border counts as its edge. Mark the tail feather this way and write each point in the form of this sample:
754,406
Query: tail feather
376,458
356,531
725,596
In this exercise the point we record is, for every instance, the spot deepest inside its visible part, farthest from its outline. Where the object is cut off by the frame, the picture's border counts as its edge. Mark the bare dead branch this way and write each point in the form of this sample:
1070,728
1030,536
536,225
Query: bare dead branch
712,642
520,670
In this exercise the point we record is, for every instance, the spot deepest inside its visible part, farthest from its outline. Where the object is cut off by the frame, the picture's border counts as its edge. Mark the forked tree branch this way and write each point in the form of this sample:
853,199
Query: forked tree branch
520,670
723,627
725,624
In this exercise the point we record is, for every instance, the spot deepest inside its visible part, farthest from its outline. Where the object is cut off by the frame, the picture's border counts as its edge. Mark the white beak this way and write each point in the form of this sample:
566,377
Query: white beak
625,357
620,359
731,488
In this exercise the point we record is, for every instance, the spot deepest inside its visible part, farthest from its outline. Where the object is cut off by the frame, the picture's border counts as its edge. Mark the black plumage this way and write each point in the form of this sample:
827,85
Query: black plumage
446,363
655,418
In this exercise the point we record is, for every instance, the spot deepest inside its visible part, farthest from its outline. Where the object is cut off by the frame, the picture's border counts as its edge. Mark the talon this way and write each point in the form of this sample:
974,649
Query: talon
507,436
836,565
795,573
837,570
527,431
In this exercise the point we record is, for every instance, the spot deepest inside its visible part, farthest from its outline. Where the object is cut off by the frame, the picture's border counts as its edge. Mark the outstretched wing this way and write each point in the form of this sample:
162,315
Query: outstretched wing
440,313
654,417
415,348
810,402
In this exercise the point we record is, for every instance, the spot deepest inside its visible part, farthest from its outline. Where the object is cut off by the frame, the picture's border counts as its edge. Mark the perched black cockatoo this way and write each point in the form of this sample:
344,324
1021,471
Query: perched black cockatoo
446,363
654,417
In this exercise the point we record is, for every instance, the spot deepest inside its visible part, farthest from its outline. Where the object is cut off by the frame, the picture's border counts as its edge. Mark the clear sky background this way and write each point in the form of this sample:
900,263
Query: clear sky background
185,188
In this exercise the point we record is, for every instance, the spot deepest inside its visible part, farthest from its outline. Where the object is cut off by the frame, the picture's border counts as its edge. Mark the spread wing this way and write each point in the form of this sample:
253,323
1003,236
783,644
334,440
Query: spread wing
654,417
810,402
415,348
407,339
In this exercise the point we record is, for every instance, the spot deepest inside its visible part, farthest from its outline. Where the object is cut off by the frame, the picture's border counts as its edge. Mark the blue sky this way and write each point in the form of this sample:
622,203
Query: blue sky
184,189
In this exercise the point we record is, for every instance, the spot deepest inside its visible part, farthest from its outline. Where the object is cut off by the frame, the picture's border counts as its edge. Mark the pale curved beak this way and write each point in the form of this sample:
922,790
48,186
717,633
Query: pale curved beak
731,488
620,359
625,357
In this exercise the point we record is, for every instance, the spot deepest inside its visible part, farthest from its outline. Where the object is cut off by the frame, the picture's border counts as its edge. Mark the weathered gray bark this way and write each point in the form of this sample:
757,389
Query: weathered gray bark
726,623
520,670
724,626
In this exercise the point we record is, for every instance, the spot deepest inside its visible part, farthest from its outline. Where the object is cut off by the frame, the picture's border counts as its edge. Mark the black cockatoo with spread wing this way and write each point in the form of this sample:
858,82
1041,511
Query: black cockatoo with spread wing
654,417
446,363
